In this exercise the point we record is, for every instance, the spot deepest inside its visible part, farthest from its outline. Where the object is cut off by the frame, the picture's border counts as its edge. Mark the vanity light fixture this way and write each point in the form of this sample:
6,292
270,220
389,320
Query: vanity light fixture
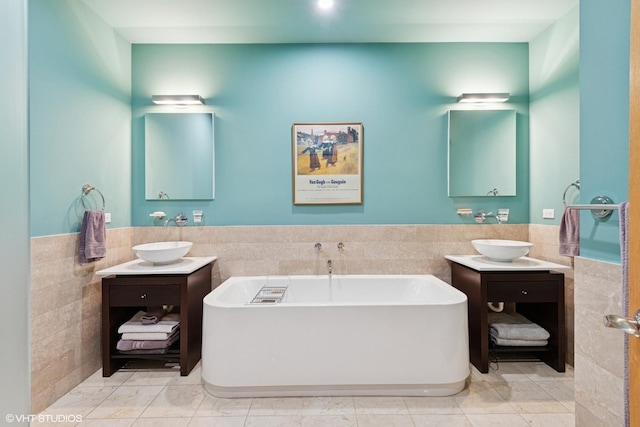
177,99
325,4
478,98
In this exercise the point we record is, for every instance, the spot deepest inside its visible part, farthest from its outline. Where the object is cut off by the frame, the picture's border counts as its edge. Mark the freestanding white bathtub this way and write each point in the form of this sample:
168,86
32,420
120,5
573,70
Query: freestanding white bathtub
344,335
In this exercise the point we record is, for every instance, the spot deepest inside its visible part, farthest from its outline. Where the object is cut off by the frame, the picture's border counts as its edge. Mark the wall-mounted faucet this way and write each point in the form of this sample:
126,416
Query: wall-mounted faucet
340,246
330,267
482,216
318,246
180,220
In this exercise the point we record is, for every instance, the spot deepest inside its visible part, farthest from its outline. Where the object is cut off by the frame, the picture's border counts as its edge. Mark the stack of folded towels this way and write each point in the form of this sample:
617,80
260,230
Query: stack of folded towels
150,332
513,329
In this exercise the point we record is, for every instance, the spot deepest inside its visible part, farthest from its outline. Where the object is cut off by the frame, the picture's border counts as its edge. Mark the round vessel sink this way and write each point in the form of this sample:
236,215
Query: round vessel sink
501,250
162,252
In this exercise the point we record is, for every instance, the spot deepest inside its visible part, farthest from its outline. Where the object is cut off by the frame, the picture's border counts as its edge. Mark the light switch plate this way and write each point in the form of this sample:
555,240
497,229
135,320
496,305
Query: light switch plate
107,217
548,213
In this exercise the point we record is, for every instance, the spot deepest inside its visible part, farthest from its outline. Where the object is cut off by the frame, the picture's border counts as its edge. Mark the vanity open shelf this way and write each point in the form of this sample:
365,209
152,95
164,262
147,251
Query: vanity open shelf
538,294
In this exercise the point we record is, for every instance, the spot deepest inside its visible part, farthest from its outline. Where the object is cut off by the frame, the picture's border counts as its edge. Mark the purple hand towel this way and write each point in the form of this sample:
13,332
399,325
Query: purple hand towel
153,315
128,345
93,237
570,232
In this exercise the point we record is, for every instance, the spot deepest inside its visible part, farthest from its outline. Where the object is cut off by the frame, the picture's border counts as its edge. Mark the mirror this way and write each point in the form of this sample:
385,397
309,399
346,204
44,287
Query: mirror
482,153
179,156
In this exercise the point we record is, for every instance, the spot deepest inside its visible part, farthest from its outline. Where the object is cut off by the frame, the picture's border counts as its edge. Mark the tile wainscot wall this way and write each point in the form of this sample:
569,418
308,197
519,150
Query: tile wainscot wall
65,296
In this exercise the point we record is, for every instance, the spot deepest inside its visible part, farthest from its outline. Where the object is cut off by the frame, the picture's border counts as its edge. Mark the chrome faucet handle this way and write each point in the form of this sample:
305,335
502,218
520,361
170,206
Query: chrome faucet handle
181,219
318,246
480,217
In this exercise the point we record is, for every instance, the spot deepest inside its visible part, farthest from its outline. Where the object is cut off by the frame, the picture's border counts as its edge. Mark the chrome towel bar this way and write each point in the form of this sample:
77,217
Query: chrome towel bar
593,207
602,206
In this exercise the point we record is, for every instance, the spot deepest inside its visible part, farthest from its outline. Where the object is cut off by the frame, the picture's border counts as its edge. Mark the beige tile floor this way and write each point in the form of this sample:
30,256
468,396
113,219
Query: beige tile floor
515,394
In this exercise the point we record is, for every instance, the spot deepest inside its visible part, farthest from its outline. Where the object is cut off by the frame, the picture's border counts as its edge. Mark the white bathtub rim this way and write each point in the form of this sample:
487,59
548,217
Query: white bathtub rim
211,299
292,305
408,390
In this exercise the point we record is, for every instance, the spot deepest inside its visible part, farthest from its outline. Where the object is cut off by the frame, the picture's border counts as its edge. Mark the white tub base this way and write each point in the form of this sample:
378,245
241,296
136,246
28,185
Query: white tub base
354,335
337,390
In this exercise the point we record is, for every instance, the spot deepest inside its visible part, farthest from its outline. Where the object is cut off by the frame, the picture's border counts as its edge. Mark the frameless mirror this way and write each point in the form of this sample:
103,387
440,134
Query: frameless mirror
482,153
179,156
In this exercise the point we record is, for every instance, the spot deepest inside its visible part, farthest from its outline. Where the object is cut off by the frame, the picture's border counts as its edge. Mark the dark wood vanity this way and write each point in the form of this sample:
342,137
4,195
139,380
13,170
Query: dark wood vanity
538,295
129,290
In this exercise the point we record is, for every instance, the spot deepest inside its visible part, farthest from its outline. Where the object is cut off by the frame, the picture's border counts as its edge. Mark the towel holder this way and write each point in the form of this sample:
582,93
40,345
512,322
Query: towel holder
564,195
597,206
86,189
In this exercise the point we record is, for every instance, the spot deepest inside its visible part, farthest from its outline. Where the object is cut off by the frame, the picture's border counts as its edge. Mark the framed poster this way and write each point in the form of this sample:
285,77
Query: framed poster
327,163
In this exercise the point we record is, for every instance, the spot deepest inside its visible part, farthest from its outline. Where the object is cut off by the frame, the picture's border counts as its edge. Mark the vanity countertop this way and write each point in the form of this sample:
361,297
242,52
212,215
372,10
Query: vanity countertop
185,265
482,263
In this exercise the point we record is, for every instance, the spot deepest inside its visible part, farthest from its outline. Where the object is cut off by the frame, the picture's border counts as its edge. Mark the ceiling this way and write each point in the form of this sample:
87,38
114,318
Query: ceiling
299,21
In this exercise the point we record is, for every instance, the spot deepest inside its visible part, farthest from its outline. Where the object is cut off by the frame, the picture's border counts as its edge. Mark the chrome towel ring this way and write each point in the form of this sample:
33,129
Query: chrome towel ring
564,195
86,189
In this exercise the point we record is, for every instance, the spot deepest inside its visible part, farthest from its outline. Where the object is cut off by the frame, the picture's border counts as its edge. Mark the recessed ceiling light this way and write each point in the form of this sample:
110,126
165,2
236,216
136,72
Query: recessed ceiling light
325,4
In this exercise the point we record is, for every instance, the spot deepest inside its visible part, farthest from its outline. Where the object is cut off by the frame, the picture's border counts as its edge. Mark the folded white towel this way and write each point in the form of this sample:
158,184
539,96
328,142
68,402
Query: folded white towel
515,326
147,336
169,323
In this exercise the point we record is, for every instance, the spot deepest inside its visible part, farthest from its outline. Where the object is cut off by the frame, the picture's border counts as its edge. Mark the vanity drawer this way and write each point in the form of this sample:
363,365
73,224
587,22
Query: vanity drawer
523,291
143,295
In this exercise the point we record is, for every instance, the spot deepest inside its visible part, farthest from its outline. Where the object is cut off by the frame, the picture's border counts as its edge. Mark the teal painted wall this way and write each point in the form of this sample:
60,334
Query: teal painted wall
554,82
84,80
80,116
15,362
604,119
400,92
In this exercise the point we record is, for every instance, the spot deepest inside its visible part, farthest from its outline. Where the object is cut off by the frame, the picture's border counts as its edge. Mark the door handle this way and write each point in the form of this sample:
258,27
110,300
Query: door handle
625,324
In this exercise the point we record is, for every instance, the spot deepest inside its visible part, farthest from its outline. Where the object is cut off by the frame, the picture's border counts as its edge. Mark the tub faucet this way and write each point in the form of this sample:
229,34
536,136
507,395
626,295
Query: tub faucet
329,267
180,220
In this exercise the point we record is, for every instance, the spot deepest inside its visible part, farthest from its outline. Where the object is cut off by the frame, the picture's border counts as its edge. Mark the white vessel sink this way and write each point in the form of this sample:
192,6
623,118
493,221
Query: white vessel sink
162,252
501,250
